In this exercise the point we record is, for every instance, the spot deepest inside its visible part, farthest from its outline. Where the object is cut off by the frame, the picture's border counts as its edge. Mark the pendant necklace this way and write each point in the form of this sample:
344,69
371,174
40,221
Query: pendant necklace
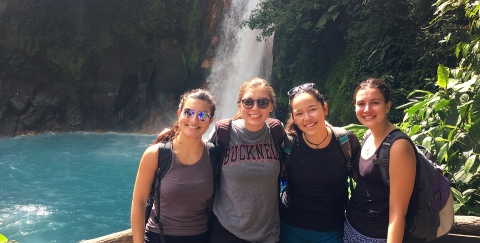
316,144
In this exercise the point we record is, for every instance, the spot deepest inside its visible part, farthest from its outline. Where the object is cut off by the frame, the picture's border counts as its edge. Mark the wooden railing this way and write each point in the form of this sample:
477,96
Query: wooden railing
463,225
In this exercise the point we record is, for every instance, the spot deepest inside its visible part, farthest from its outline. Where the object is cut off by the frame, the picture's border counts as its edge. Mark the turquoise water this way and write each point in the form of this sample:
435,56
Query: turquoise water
67,187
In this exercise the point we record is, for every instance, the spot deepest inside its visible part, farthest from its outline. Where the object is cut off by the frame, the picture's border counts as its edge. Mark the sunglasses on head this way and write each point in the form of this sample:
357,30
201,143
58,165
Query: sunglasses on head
307,87
202,115
249,103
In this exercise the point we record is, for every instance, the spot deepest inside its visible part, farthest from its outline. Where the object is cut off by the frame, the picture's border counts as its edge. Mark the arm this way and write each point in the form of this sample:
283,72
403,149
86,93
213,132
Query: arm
402,177
145,175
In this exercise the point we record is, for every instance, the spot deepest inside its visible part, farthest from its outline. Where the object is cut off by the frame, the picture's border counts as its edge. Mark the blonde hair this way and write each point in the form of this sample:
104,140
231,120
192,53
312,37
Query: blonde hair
253,83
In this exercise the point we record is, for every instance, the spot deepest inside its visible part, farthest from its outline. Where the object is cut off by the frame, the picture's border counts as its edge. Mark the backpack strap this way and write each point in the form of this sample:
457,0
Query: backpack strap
287,151
223,128
383,157
212,152
341,134
164,162
278,135
215,162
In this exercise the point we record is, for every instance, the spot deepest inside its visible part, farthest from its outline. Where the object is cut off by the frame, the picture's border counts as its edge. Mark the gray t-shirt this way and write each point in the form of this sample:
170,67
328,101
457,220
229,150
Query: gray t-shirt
246,204
183,198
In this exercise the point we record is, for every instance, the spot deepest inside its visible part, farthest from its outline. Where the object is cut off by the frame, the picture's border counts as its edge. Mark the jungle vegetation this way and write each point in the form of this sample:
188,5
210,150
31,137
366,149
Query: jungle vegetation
427,51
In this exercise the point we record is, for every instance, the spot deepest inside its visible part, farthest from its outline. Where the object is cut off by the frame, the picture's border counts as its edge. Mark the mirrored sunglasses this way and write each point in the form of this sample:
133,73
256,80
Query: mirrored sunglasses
307,87
202,115
249,103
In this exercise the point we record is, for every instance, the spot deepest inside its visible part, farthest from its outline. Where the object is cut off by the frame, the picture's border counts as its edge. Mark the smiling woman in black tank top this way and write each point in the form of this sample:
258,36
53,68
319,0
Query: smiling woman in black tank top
376,212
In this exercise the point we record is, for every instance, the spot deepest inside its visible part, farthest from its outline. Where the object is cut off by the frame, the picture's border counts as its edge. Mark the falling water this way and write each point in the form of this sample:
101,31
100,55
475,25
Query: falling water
238,58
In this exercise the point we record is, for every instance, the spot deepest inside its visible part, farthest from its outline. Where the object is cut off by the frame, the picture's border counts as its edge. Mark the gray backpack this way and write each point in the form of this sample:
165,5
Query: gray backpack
430,210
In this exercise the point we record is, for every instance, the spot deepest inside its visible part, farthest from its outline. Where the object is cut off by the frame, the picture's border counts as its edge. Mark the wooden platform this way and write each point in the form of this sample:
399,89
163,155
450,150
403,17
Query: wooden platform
454,238
466,229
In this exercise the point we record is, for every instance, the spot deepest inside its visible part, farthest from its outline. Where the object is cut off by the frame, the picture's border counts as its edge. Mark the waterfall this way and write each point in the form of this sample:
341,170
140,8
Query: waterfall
238,58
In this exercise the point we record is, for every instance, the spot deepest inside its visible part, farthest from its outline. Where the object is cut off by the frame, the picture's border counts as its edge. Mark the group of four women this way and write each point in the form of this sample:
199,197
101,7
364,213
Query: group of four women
315,207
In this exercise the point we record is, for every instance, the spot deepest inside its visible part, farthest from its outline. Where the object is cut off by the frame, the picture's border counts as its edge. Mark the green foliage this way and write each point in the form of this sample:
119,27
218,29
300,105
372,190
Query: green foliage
4,239
64,38
448,122
337,44
442,123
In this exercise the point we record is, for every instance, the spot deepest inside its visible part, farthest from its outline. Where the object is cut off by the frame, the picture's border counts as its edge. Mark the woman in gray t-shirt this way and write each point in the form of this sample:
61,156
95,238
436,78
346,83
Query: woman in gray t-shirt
246,202
187,184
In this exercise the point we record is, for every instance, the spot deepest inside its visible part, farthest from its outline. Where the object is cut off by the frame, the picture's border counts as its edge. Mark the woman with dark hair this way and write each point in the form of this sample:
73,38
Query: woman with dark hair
187,184
317,190
376,212
247,200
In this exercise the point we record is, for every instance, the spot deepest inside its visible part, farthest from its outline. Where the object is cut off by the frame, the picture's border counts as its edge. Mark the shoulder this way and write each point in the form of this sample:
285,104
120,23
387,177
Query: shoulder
221,127
153,149
150,156
402,148
340,131
273,121
222,122
401,141
354,142
352,136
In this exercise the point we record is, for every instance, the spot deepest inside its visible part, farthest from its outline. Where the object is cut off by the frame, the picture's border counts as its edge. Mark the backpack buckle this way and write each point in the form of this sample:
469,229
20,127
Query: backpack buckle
382,162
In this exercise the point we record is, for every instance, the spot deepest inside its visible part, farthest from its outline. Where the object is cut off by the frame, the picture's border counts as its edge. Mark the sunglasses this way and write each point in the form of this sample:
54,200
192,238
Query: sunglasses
307,87
249,103
202,115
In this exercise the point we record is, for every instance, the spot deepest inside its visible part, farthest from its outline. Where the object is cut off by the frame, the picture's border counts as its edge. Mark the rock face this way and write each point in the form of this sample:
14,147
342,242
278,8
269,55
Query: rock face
85,66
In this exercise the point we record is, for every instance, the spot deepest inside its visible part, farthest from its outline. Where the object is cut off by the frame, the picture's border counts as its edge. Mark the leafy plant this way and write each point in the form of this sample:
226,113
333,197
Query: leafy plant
448,121
442,122
3,239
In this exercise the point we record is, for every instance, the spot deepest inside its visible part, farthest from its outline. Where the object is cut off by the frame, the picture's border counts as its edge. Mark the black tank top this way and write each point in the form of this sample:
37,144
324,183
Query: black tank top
368,209
317,186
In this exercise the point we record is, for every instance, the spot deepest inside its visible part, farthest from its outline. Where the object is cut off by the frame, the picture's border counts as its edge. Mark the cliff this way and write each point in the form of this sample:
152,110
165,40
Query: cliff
101,65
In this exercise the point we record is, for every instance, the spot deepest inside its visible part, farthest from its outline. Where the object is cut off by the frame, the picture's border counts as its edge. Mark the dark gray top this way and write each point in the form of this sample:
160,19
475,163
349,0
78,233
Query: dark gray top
183,198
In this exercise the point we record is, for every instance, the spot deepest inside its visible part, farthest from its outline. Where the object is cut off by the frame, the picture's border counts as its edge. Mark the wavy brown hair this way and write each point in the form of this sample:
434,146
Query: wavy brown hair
199,94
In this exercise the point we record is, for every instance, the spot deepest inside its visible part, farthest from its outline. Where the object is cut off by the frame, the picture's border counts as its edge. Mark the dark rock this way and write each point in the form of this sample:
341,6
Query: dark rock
19,101
95,77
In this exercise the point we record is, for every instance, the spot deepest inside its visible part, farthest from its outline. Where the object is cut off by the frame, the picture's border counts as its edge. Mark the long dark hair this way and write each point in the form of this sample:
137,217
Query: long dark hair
291,128
252,83
199,94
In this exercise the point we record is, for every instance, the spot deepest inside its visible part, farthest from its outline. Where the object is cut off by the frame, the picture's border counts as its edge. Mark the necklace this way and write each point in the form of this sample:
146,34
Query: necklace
316,144
185,154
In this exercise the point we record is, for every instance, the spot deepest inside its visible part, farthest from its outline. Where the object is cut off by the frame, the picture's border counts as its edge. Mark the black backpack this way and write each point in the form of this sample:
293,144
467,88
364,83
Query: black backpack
164,162
430,210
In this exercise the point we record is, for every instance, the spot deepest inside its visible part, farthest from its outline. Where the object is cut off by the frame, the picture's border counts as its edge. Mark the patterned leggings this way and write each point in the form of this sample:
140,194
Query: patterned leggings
350,235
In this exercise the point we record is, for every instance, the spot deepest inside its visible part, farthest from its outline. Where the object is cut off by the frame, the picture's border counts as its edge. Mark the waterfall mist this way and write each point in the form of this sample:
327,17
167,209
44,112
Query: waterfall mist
238,58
